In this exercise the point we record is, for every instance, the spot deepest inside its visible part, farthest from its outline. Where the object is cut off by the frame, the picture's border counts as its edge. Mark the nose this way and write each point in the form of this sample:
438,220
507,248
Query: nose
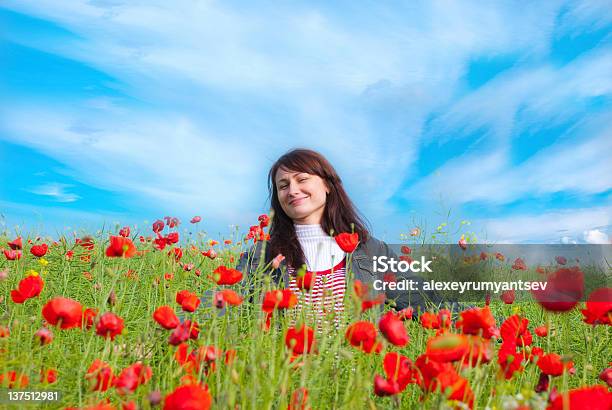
293,189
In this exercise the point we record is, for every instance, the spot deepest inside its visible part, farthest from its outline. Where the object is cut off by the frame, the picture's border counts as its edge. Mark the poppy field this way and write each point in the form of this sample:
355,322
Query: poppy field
162,318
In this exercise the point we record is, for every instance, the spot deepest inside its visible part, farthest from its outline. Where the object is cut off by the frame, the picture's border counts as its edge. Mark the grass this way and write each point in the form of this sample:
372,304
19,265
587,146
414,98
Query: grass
262,375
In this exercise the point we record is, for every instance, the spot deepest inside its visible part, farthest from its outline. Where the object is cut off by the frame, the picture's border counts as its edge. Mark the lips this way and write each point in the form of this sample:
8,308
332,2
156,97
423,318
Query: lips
297,201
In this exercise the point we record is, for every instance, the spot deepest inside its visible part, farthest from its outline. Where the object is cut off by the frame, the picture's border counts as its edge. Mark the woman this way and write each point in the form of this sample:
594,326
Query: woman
309,202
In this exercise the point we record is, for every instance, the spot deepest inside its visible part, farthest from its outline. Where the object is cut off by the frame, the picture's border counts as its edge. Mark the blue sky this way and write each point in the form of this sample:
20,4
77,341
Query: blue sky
124,112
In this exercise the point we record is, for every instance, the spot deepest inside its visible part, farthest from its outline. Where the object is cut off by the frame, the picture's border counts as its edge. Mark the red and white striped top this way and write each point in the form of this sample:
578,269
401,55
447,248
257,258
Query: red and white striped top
324,303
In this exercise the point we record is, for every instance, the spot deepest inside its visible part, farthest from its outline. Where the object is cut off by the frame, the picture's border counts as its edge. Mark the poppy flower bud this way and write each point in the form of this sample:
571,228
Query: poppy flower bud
154,398
44,335
112,298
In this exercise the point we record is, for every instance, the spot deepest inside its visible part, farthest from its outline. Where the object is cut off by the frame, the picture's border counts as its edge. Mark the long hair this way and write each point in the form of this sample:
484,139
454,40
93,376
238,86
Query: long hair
338,215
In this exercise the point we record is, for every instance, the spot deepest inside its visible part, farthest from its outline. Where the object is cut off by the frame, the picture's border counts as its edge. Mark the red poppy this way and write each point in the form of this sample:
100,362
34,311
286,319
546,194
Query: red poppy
585,398
405,314
478,321
189,301
279,299
227,296
172,238
189,397
441,320
109,325
89,315
460,390
102,373
44,335
370,303
363,336
177,253
158,226
405,250
514,330
480,351
226,276
519,264
211,253
305,280
552,365
462,243
561,260
606,376
447,347
508,296
86,242
160,243
430,320
299,400
48,376
183,332
131,405
29,287
541,331
264,220
131,377
12,255
12,379
192,361
599,307
39,250
63,311
509,359
165,316
230,356
347,241
120,247
535,354
196,219
393,329
435,375
172,221
16,244
125,231
399,372
300,340
360,289
564,289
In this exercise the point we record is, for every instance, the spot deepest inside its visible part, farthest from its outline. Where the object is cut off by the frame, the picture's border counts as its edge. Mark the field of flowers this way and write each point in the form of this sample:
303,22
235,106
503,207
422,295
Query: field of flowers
161,319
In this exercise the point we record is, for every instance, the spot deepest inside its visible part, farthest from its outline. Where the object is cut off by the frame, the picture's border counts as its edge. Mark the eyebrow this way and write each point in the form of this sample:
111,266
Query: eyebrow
285,179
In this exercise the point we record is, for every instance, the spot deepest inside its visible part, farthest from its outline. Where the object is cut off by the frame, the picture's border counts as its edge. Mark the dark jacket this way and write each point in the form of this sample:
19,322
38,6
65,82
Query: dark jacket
362,268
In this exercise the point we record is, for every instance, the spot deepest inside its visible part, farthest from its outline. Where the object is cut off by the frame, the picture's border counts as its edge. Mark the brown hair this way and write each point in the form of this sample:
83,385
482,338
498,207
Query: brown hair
339,211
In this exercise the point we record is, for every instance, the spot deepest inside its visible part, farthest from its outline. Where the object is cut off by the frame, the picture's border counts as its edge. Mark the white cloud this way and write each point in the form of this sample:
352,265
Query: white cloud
566,240
580,167
596,236
57,192
550,227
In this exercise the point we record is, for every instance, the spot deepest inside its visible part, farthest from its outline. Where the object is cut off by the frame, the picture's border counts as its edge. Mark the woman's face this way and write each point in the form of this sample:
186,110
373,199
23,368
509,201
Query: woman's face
301,195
